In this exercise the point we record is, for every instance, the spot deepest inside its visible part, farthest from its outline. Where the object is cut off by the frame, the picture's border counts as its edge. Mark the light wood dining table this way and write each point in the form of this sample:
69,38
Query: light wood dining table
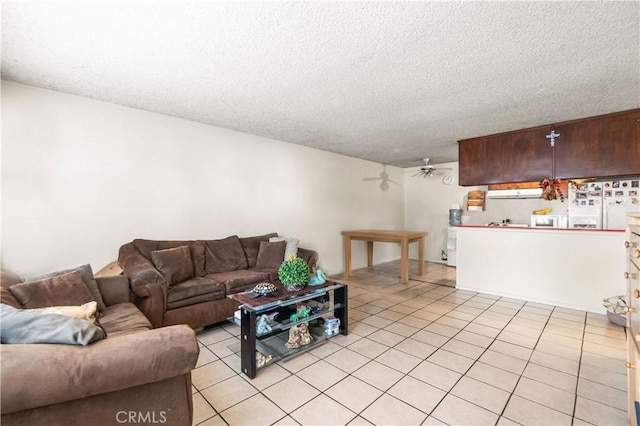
404,238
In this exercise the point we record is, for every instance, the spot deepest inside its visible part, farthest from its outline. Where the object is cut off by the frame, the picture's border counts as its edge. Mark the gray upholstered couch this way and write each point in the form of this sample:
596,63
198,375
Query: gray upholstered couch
187,282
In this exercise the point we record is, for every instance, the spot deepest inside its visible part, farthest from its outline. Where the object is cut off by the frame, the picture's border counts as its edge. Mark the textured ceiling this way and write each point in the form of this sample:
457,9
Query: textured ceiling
391,82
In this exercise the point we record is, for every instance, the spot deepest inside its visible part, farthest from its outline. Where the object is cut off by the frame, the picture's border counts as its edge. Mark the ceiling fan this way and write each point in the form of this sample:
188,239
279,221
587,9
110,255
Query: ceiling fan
428,170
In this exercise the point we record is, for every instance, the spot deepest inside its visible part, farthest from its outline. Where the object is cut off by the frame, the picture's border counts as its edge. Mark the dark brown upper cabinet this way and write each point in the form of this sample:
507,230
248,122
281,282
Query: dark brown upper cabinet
519,156
602,146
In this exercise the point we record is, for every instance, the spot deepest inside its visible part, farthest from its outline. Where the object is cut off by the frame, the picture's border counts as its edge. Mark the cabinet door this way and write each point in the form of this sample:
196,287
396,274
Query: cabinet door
519,156
607,145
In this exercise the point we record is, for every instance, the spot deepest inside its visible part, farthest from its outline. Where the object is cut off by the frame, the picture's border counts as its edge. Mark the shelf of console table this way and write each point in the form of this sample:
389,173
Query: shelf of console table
273,343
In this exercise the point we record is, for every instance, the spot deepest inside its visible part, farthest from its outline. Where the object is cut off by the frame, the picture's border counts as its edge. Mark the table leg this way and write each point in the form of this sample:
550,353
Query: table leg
421,256
248,342
404,260
341,298
347,256
369,253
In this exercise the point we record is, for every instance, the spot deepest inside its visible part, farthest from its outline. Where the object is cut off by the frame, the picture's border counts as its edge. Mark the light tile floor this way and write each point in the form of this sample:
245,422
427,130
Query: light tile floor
426,353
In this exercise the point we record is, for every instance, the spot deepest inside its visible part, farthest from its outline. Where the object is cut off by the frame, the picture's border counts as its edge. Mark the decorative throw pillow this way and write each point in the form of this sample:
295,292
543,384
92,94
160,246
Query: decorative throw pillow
270,254
62,290
196,248
251,245
174,264
87,276
86,312
25,326
224,255
292,245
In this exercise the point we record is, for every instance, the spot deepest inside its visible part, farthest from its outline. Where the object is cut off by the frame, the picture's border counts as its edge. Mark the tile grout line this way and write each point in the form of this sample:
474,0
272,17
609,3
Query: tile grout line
449,338
513,392
474,363
575,399
405,315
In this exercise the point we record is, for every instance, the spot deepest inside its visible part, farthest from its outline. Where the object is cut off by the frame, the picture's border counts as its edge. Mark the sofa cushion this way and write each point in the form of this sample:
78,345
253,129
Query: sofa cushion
182,294
87,276
271,255
175,264
237,281
124,318
224,255
25,326
292,245
61,290
196,247
190,301
251,246
272,272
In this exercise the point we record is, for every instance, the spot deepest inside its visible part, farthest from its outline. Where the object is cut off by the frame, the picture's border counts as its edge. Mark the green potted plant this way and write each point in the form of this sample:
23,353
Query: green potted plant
293,273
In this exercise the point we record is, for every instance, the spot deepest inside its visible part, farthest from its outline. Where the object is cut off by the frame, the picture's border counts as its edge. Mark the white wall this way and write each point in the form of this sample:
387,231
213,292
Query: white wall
81,177
427,204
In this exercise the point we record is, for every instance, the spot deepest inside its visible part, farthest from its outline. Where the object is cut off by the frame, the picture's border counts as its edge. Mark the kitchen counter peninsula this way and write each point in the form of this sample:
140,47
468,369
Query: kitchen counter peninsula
572,268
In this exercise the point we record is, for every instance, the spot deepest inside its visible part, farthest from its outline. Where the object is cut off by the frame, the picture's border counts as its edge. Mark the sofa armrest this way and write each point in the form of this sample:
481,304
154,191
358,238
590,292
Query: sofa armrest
309,256
155,305
114,290
69,372
138,269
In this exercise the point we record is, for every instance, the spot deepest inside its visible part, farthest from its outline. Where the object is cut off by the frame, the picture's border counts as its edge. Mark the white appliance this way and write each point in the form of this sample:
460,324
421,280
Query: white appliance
549,221
515,193
452,246
603,204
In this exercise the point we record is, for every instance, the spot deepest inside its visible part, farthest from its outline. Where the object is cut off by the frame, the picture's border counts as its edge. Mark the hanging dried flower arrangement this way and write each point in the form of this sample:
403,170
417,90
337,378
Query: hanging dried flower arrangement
551,189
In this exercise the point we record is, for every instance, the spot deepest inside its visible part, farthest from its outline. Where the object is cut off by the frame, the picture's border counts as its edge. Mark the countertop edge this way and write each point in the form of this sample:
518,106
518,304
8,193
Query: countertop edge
533,228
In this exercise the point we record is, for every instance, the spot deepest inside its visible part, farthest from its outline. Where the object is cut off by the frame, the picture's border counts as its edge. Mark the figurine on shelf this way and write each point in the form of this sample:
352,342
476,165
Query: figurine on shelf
262,359
299,335
294,338
318,278
265,322
301,312
300,315
315,310
305,335
331,326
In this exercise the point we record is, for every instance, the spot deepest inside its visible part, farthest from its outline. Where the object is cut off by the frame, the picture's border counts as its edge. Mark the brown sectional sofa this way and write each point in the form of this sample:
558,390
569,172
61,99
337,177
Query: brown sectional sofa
220,267
136,373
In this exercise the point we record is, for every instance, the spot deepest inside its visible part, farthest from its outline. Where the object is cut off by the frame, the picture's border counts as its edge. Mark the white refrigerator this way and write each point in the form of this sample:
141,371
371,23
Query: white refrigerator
602,204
